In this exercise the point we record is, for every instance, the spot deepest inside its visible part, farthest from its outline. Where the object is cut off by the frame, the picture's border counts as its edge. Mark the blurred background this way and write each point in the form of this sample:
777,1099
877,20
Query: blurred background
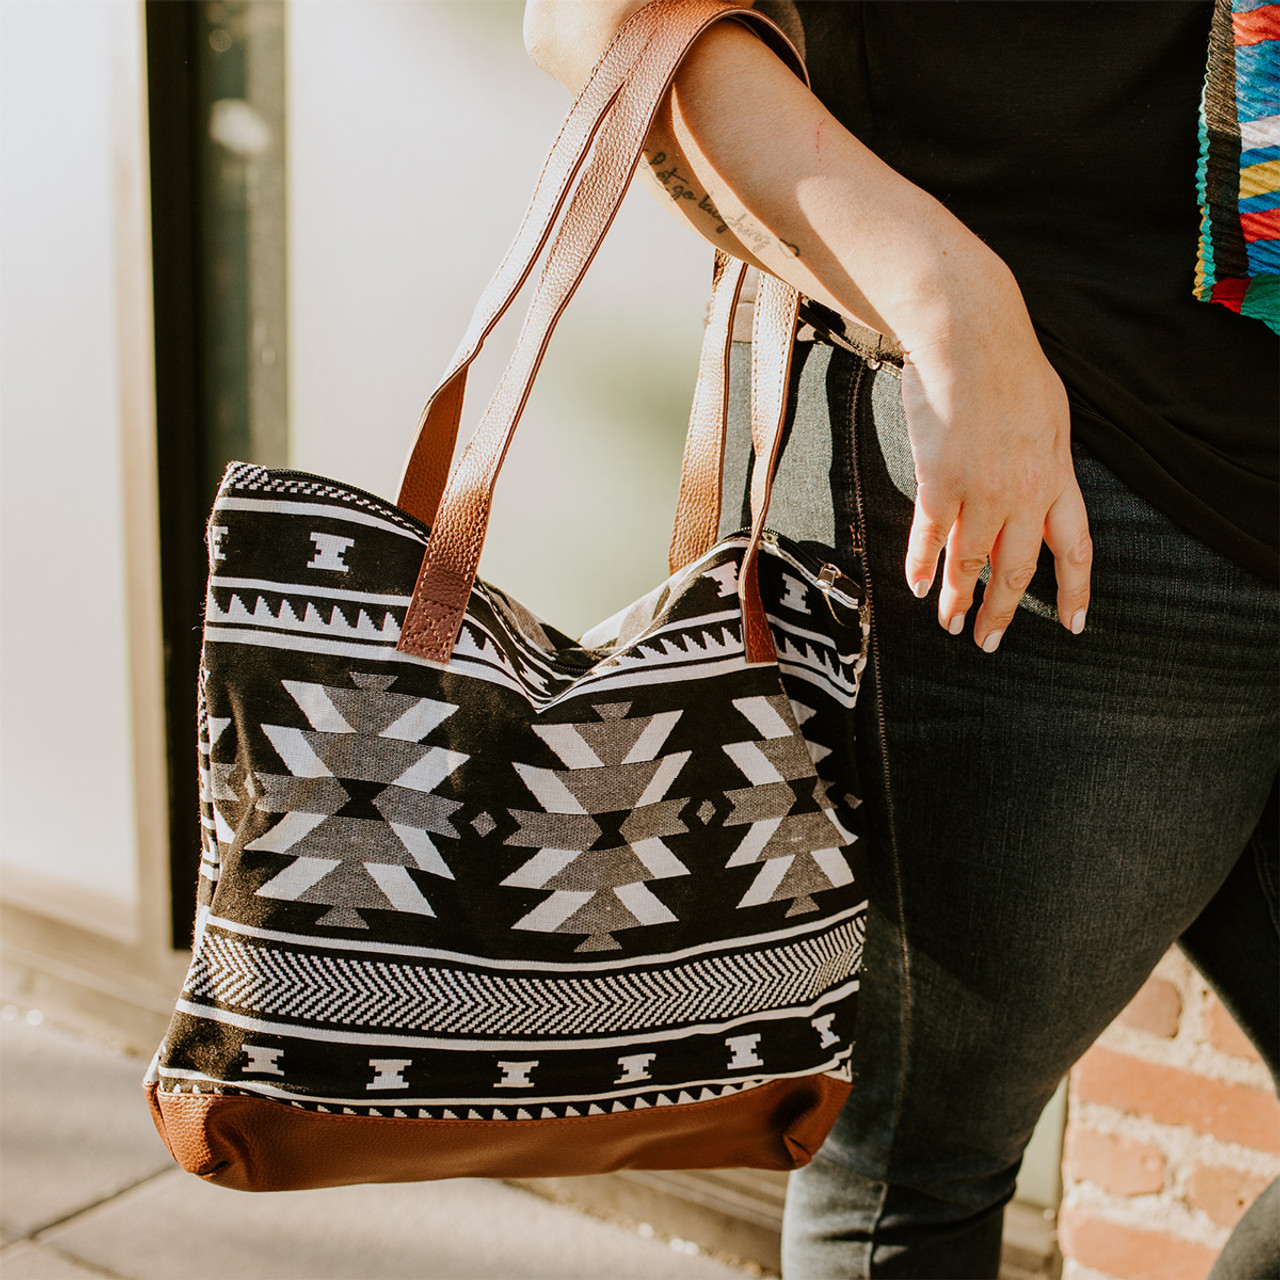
255,231
240,230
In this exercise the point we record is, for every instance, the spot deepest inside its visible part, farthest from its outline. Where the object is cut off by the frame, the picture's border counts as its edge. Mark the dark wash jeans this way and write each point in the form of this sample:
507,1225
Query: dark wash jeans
1044,822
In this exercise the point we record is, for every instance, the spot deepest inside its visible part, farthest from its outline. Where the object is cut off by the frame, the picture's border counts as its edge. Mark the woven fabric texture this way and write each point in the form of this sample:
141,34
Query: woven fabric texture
1239,172
540,881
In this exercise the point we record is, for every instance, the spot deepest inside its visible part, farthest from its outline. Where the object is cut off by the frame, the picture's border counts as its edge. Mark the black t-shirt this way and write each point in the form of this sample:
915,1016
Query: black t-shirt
1064,134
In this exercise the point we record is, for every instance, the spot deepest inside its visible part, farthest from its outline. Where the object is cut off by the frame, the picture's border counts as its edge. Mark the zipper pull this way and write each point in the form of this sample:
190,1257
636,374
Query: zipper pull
827,576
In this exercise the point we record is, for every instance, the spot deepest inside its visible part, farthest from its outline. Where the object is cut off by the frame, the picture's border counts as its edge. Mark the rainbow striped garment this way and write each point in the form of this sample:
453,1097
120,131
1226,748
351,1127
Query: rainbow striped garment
1238,178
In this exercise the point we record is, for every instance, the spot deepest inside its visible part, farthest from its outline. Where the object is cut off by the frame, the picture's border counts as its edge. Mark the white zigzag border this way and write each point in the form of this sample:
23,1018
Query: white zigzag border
456,1002
333,1035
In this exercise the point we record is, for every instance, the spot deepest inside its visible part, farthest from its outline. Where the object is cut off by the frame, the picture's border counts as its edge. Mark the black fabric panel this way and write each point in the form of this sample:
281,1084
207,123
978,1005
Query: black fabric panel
589,873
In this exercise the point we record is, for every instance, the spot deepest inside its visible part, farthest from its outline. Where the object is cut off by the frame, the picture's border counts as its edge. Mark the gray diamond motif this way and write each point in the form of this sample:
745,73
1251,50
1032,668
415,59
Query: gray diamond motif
596,885
361,733
806,844
706,811
483,824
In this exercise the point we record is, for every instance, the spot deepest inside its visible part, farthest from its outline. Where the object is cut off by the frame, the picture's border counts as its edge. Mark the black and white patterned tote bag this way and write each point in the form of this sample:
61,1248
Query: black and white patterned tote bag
481,899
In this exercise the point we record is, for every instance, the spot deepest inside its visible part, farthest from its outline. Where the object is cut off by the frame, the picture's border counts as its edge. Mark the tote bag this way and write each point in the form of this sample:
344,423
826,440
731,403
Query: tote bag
479,899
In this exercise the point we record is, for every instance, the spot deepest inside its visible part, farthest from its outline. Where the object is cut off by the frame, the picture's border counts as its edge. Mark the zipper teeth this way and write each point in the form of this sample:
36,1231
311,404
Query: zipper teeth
860,539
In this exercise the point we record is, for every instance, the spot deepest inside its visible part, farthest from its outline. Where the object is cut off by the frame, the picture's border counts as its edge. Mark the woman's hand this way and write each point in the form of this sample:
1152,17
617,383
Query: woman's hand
990,437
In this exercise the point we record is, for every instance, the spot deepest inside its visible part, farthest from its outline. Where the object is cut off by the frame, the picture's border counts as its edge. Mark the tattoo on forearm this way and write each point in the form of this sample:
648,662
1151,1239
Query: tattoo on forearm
678,187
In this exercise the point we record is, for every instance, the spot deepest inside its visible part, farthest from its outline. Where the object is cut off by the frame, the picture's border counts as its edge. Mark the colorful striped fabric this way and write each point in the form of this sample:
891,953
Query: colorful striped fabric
1238,178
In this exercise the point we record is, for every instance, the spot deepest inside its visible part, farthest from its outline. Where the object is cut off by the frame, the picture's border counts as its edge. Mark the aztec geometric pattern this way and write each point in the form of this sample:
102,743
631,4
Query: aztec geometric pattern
1239,170
553,878
614,773
801,851
358,804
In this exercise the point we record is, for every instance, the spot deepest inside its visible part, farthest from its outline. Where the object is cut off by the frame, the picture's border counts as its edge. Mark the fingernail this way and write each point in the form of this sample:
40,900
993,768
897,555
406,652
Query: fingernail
920,589
1077,622
956,625
992,642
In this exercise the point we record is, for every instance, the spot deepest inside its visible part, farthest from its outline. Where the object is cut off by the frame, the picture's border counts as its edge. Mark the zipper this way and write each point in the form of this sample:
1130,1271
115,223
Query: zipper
867,586
826,577
826,580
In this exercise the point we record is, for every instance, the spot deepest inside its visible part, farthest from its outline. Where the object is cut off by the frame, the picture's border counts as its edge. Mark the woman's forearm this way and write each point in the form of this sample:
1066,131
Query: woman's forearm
757,165
749,158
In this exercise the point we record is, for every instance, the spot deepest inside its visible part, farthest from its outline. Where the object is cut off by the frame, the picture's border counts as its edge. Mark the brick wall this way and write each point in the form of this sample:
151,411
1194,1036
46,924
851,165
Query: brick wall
1173,1130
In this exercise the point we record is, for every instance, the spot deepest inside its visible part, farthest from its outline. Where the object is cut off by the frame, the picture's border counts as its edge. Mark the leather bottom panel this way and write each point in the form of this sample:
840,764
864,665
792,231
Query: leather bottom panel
258,1144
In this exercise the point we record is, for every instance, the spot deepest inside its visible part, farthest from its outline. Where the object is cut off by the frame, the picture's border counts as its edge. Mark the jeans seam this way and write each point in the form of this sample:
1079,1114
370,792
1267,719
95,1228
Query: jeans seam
852,416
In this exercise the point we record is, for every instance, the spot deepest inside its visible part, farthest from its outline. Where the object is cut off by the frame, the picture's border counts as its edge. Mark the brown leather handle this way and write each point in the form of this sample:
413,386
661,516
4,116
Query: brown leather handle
776,313
772,344
427,467
449,565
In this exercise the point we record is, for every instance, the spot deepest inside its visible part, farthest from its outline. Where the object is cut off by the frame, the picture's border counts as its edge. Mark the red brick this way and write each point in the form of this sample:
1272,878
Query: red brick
1132,1253
1156,1008
1223,1032
1173,1095
1114,1163
1224,1194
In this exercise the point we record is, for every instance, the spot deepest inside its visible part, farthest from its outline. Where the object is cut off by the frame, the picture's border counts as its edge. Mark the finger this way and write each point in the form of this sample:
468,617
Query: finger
935,513
1013,565
967,551
1066,531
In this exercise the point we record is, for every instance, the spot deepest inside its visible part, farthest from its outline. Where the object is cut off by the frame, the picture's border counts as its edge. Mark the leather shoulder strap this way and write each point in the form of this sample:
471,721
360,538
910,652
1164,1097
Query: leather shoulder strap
427,466
772,345
452,557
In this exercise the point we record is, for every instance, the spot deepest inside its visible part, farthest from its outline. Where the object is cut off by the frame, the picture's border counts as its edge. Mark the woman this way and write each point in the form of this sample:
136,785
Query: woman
1070,755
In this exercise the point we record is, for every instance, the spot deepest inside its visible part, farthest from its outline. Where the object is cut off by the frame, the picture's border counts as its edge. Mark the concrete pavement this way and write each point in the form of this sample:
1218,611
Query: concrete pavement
88,1191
